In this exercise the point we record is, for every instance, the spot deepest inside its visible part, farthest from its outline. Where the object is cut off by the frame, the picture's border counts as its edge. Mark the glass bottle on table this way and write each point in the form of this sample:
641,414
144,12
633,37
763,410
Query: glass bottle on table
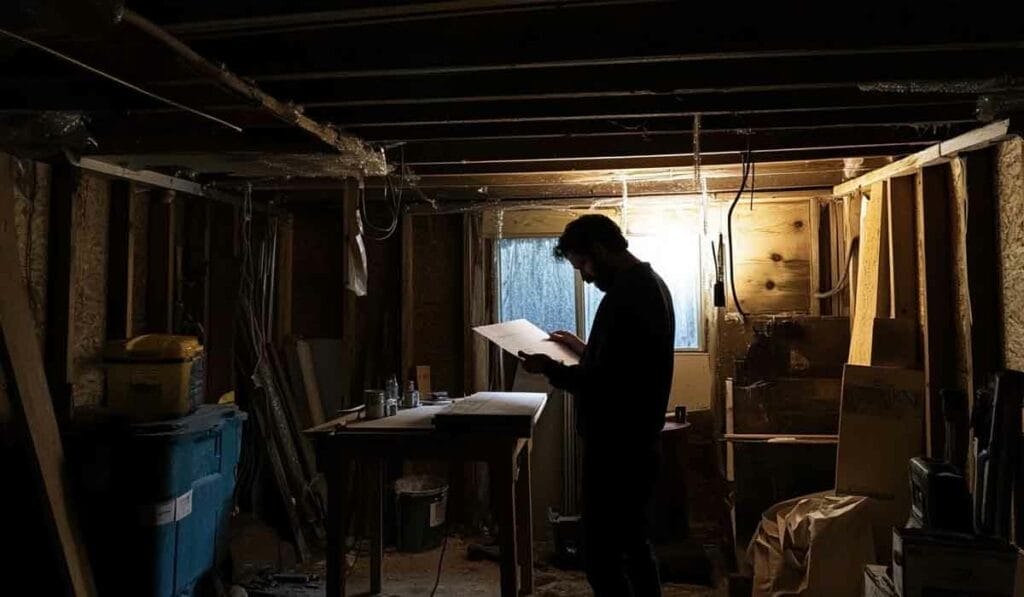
411,398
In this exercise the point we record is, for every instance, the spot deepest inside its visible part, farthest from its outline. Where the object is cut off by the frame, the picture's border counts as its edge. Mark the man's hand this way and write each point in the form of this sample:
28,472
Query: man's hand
535,363
569,340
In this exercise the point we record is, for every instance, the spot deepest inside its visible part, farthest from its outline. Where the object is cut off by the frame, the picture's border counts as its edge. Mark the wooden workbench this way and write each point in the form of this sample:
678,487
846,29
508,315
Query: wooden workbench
495,428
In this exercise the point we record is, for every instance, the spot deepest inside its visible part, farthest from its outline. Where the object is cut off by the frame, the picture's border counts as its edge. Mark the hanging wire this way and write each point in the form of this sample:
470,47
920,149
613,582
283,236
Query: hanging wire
732,274
696,151
393,199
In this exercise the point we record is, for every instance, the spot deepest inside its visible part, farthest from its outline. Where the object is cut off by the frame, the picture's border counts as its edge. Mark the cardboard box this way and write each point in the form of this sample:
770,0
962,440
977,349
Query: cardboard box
934,563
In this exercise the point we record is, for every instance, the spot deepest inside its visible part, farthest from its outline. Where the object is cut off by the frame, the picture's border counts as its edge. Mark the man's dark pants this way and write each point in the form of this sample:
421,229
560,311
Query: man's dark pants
618,494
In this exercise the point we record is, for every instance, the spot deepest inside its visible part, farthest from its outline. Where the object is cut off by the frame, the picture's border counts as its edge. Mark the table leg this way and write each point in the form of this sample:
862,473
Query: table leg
335,472
502,474
524,520
376,513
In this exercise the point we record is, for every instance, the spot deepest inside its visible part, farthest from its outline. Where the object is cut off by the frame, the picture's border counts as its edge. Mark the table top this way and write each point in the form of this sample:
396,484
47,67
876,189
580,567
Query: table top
508,413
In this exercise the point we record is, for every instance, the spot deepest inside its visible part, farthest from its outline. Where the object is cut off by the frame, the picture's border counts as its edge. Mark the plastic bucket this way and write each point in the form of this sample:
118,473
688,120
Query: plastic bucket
422,502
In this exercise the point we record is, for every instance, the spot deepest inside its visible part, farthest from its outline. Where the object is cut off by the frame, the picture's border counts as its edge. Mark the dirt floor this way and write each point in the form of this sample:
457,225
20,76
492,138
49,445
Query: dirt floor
414,574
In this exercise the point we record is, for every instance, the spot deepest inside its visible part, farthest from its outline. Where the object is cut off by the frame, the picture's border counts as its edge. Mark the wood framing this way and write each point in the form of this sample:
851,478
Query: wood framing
120,262
936,154
902,248
873,282
59,306
29,395
160,273
935,303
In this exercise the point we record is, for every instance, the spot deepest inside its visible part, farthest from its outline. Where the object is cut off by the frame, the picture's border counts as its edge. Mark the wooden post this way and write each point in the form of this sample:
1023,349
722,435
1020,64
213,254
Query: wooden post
335,469
524,519
983,267
408,288
59,306
873,282
851,210
160,273
120,262
814,221
935,303
502,477
29,395
902,248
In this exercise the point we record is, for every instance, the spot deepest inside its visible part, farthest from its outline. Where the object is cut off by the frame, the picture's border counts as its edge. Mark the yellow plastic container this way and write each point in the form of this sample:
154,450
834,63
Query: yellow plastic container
155,376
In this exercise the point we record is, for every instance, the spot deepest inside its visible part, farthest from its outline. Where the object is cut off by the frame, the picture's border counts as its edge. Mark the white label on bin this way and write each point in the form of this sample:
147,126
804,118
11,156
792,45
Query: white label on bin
168,511
437,512
183,505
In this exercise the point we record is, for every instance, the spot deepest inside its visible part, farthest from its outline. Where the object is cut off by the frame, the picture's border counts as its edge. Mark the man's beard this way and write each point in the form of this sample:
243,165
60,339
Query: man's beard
603,277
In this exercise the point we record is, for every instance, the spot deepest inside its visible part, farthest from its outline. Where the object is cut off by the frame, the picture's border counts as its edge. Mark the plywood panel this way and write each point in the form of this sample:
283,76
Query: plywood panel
1010,190
90,218
772,257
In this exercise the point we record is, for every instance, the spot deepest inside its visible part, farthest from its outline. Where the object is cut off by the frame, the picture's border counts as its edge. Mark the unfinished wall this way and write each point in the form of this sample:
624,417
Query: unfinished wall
437,325
1010,193
139,223
89,219
317,276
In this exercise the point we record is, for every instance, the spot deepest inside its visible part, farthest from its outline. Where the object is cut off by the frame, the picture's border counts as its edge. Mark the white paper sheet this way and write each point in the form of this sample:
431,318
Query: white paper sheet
521,335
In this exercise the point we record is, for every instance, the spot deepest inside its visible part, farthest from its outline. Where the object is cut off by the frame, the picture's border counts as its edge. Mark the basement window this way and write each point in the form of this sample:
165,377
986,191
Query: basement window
536,286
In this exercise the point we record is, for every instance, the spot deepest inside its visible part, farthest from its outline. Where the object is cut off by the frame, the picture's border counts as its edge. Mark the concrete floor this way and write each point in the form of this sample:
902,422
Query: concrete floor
414,574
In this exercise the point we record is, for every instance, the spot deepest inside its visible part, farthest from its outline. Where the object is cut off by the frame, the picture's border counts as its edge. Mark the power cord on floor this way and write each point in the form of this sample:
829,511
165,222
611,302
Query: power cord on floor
440,560
444,547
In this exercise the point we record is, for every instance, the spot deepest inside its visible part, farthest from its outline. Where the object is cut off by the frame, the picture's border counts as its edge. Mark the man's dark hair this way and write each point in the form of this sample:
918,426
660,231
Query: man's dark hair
583,233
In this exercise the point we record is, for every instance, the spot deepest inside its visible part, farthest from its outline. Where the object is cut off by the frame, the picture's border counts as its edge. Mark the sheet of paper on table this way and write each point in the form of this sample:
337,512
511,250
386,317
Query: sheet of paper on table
521,335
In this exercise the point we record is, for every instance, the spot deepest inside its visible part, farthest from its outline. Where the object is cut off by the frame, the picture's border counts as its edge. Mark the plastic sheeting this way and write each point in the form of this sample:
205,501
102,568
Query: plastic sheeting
813,545
46,133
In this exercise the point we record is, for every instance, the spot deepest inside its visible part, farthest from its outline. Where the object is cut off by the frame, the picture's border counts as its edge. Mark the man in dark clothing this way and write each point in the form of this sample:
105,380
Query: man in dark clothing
621,388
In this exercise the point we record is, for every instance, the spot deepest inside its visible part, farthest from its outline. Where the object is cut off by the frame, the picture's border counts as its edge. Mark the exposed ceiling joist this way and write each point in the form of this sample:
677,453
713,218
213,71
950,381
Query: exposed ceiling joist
642,60
374,15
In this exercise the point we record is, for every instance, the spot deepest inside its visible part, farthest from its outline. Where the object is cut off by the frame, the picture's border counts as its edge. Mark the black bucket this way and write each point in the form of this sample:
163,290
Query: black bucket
422,507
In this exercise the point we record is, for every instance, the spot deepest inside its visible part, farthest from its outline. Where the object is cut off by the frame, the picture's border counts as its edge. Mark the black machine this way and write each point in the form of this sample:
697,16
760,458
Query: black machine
950,548
939,498
997,430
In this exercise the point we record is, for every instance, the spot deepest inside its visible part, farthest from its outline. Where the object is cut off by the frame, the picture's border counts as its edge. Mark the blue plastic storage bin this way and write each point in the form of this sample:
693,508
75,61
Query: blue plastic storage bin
157,499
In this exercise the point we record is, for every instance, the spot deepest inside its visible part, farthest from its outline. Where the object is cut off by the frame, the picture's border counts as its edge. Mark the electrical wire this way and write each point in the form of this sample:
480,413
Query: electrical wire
732,275
393,198
444,547
845,280
440,560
